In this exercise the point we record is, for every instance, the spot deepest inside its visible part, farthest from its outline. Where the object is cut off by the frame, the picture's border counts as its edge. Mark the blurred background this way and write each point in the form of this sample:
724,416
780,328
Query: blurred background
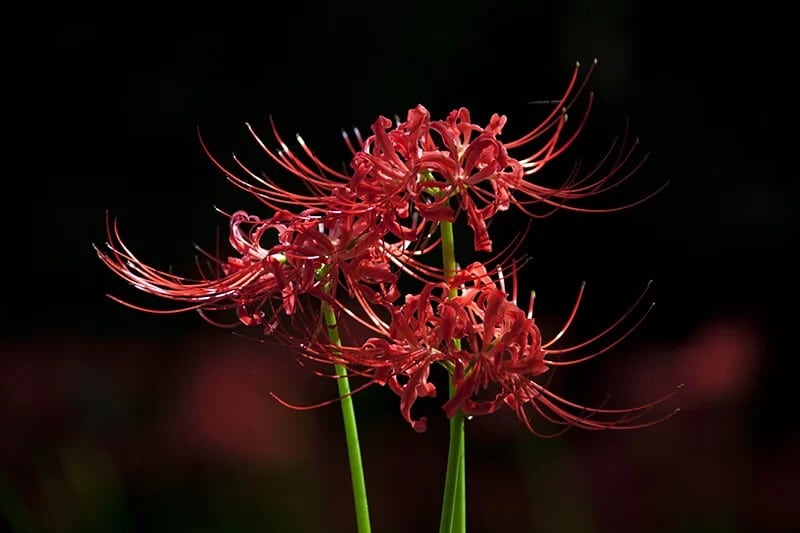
119,421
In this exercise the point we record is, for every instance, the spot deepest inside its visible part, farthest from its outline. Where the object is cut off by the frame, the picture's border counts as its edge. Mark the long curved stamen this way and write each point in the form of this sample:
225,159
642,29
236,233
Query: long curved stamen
608,329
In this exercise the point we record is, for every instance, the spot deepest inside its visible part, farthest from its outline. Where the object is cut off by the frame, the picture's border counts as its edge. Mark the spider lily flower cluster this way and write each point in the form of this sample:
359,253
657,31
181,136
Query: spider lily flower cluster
346,242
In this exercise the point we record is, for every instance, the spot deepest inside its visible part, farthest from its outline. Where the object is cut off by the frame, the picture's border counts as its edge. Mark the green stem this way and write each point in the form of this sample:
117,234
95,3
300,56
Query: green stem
350,428
453,518
460,511
451,506
448,253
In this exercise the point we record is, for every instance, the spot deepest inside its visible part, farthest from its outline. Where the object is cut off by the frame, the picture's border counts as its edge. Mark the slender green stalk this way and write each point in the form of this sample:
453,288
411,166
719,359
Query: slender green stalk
350,428
454,504
460,511
452,492
448,253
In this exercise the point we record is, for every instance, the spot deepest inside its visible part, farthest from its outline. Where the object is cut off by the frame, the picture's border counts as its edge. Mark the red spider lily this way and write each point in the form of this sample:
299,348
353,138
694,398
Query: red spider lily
487,341
415,336
257,271
502,349
423,164
380,202
314,255
420,165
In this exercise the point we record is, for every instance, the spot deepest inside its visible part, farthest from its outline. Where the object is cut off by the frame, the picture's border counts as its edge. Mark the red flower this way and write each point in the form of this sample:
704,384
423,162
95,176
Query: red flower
486,340
315,255
257,271
400,356
502,350
422,165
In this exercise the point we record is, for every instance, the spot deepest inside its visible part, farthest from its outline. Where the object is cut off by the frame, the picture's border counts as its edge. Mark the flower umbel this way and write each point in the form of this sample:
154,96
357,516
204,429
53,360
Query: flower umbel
423,165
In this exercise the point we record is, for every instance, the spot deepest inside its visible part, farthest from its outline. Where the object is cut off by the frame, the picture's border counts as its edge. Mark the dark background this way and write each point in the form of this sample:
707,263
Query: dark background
114,420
